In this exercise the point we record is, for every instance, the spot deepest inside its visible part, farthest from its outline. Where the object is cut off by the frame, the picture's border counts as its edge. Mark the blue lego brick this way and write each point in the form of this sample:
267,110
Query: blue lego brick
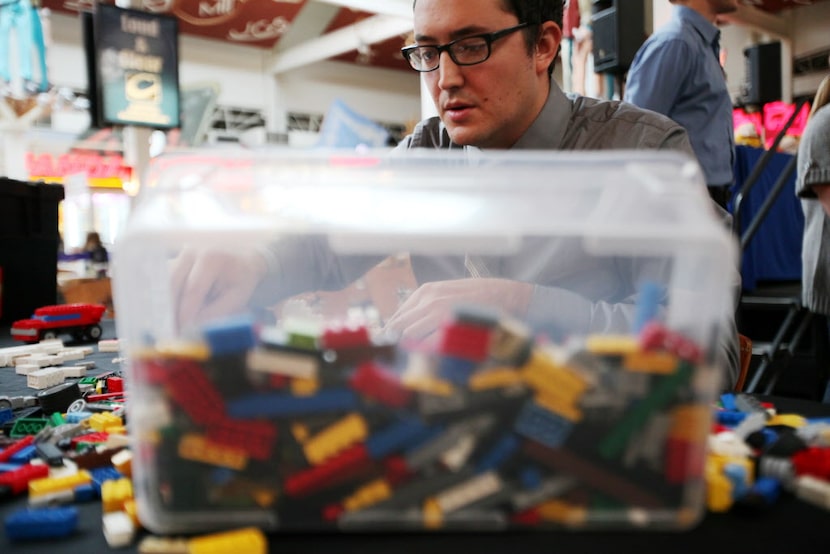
493,458
86,492
768,488
730,419
727,401
6,414
101,474
543,426
286,405
230,336
530,477
396,436
25,455
9,467
77,417
648,304
43,523
736,474
456,370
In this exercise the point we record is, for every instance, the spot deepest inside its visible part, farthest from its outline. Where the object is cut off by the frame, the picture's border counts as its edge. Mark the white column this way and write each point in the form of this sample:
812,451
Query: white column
428,108
14,154
276,113
136,155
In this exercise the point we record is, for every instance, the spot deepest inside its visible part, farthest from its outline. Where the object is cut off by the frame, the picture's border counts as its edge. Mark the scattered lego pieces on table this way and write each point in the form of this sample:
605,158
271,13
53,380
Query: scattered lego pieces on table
341,430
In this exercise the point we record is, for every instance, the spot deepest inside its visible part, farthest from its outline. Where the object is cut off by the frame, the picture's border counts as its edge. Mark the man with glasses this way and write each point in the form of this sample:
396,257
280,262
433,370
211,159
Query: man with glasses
488,66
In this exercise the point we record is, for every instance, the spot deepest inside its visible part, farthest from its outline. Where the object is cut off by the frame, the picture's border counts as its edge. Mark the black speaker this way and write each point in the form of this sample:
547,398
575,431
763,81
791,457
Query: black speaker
763,73
618,34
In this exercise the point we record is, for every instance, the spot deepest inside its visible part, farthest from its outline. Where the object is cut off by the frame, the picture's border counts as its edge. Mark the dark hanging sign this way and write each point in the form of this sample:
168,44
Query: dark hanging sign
133,60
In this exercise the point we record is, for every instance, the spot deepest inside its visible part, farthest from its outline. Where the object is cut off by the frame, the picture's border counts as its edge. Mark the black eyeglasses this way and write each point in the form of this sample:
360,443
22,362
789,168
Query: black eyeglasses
464,51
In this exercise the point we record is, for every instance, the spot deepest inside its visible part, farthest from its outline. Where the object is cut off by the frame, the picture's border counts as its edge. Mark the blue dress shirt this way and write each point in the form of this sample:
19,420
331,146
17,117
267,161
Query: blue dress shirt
677,72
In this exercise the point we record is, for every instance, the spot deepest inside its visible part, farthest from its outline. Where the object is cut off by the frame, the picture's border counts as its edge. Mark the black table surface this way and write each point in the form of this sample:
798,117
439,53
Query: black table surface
789,526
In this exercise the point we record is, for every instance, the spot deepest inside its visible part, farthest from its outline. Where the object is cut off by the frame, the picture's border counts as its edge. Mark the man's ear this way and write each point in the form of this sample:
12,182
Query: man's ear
547,47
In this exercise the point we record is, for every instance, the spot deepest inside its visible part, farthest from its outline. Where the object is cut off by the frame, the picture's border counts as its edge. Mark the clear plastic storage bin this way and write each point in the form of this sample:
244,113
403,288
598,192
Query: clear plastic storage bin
428,341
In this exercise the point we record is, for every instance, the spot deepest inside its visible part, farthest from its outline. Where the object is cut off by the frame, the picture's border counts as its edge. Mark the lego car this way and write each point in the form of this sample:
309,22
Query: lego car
82,321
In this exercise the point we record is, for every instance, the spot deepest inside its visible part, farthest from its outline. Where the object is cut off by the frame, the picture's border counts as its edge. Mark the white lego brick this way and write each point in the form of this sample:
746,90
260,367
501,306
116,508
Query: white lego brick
813,490
110,345
73,354
45,378
119,529
25,369
42,360
50,346
73,371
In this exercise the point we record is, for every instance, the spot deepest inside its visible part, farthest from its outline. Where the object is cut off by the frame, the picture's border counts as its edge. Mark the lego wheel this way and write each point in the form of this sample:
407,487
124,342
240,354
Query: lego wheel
94,332
48,335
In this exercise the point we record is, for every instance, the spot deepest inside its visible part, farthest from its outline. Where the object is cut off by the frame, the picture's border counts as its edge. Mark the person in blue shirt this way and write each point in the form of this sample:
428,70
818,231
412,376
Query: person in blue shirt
677,73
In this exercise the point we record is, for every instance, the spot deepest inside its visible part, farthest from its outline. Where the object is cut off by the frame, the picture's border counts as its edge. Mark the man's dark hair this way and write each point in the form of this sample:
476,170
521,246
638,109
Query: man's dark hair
536,12
533,12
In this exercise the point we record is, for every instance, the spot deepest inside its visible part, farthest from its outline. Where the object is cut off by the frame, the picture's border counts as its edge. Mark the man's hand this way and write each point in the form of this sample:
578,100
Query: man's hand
209,284
432,303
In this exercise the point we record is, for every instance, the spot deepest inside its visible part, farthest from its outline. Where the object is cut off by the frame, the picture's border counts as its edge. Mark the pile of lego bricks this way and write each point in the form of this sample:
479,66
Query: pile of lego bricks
755,455
298,428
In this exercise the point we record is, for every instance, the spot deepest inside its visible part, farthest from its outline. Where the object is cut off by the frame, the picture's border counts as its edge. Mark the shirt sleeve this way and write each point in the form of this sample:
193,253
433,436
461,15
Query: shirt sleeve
655,79
814,154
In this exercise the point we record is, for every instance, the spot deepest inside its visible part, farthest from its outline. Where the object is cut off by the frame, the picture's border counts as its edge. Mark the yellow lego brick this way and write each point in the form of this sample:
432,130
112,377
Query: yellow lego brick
114,493
559,511
162,545
543,373
495,378
300,432
198,449
250,540
334,438
123,462
718,493
558,405
432,513
104,421
131,509
264,498
614,345
690,422
656,362
184,349
368,495
49,485
430,385
304,387
787,420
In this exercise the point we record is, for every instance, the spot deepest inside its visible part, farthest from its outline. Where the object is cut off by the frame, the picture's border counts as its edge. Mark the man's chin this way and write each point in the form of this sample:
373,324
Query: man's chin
462,136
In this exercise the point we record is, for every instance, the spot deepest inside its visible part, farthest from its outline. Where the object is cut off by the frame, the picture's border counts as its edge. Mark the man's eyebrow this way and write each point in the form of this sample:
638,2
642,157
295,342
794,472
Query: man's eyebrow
459,33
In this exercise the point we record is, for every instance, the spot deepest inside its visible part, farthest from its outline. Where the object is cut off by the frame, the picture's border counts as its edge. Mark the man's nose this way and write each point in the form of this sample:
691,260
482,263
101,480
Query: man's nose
449,72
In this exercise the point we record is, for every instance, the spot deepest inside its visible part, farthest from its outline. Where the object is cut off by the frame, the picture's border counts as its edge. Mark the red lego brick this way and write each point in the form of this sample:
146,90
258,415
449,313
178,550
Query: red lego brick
373,381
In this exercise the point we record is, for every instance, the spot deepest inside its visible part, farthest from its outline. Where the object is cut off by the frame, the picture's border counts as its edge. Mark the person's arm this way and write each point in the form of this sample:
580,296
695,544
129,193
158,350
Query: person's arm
823,195
655,79
813,181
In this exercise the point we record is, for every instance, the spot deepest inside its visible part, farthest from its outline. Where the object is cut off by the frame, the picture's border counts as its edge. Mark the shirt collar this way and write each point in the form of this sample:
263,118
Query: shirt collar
548,130
709,32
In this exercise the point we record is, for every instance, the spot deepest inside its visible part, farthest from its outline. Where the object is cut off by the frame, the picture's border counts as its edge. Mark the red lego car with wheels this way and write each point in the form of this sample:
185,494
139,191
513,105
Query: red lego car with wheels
82,321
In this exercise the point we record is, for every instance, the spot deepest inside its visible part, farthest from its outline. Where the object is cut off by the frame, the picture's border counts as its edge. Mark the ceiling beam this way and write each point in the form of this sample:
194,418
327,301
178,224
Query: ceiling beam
311,22
397,8
368,31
